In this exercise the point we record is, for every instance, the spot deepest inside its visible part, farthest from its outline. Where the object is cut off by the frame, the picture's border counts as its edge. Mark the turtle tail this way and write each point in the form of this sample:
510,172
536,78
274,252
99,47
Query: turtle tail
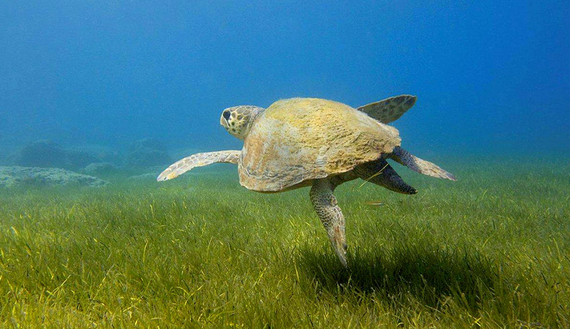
418,165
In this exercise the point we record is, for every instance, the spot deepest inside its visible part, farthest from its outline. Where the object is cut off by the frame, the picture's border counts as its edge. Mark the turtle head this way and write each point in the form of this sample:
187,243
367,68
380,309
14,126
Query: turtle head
238,119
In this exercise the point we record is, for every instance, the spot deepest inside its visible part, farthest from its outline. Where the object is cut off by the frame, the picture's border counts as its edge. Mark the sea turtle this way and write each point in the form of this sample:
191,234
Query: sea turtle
315,142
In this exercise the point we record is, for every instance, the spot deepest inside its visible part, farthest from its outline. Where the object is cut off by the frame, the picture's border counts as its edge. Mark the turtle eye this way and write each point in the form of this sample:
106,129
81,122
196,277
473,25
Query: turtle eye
226,115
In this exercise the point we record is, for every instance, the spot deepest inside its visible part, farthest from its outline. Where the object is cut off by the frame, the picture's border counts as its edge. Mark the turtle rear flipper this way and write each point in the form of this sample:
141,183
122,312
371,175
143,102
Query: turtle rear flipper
381,173
418,165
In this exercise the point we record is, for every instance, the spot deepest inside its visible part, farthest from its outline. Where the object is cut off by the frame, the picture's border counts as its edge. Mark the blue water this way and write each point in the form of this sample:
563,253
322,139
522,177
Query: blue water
490,76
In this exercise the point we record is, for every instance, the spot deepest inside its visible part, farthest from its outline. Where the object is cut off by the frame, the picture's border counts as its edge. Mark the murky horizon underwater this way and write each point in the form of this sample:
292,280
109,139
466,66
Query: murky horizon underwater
490,77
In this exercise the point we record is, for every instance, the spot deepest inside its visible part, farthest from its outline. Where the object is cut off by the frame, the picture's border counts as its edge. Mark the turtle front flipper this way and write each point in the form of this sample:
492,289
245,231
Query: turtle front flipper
381,173
389,109
418,165
330,214
198,160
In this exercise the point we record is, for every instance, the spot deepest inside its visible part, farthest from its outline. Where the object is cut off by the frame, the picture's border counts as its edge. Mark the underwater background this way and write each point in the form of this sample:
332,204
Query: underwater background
492,77
107,94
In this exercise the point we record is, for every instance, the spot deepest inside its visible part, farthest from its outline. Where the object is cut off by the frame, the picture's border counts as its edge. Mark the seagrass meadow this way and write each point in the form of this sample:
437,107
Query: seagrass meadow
491,250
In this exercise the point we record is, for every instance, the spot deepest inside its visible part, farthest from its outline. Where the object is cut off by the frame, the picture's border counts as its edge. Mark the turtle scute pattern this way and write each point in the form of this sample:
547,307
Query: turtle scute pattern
300,139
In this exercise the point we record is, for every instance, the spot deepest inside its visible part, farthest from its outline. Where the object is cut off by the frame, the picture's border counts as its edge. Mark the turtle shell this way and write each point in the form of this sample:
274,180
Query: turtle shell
300,139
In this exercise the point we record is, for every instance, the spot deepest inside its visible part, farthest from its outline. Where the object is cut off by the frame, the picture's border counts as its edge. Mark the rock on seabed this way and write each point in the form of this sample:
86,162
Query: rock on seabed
34,176
49,154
